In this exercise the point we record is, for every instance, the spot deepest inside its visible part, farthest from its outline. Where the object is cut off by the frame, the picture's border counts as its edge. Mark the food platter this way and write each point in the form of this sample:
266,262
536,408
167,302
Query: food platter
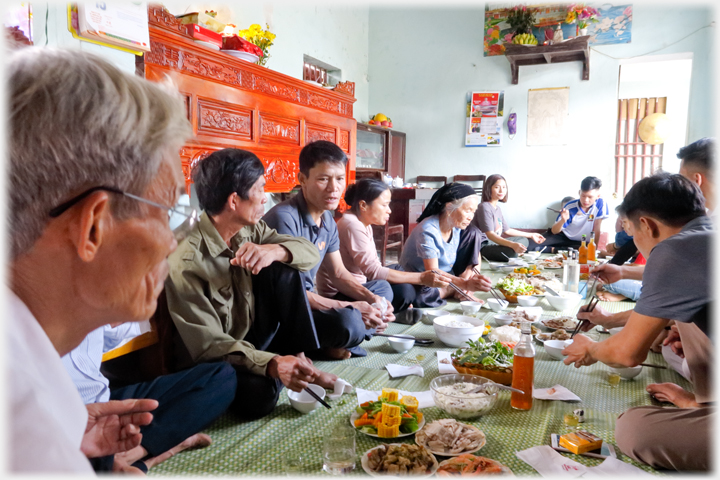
544,337
356,415
421,440
365,462
568,323
488,466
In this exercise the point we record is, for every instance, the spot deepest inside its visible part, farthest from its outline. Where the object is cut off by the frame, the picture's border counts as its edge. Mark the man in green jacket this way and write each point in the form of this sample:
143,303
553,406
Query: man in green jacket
235,292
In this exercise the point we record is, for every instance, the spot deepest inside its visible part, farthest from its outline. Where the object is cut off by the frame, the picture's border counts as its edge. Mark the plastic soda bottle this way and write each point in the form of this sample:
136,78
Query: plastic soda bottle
592,255
583,252
523,370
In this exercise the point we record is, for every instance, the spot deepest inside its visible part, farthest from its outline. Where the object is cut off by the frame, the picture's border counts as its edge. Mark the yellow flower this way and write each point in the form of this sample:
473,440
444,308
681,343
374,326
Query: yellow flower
495,34
255,28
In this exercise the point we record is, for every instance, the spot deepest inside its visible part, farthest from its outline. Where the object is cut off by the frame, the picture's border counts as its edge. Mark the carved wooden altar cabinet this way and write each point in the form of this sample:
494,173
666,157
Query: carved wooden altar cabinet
235,103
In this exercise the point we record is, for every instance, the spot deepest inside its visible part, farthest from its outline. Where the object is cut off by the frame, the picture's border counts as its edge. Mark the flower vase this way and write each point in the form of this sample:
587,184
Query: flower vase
583,31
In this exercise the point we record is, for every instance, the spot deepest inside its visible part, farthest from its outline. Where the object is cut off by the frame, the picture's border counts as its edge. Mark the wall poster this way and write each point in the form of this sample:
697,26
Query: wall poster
547,116
484,119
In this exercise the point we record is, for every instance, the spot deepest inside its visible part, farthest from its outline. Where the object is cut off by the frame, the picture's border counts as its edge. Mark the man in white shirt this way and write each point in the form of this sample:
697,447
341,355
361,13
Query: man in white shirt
93,159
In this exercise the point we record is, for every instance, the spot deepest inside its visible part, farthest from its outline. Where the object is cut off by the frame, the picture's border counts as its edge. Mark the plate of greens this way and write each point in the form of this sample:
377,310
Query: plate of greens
365,417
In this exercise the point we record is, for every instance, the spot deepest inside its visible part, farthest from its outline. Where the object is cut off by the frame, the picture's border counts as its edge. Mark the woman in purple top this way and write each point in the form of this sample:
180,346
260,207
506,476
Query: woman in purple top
490,221
369,202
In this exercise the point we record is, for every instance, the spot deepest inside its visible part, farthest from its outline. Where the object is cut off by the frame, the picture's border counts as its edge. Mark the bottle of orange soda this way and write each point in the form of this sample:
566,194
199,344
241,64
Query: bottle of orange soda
523,370
592,255
583,252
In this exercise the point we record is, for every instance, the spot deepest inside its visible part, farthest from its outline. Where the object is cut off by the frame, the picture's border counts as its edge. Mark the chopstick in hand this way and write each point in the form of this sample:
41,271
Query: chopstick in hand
457,289
591,307
316,397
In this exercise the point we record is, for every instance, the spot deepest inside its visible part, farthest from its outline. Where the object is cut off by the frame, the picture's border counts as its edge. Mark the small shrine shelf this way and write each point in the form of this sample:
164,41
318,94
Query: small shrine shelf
232,103
573,50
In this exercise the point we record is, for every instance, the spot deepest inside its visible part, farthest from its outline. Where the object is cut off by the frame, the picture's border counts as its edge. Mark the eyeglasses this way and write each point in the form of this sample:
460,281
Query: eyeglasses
180,232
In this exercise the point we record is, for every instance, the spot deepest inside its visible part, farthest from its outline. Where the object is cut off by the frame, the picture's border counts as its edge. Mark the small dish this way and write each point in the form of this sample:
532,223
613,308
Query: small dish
430,315
502,319
421,439
470,308
497,305
554,348
303,402
527,300
364,461
565,301
627,372
242,55
401,345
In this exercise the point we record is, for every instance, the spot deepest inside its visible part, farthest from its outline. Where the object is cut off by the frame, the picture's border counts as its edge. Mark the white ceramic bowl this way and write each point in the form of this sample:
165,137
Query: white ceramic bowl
430,315
502,319
497,305
531,256
458,336
242,55
303,402
209,45
566,301
615,330
627,372
527,300
554,348
470,308
401,345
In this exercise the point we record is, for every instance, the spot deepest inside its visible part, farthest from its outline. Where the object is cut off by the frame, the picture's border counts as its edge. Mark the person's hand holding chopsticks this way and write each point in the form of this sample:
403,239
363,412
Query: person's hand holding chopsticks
435,279
579,352
598,316
477,282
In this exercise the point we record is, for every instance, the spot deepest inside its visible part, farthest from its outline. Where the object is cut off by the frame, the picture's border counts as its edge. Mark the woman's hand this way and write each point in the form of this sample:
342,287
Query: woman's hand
435,280
537,238
518,247
477,283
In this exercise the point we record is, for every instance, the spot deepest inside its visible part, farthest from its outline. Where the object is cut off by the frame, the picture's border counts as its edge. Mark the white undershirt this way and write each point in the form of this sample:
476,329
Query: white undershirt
47,415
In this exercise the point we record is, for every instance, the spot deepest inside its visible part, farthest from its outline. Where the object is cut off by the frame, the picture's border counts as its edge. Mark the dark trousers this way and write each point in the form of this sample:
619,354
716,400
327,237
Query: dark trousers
468,254
553,242
344,327
624,253
188,400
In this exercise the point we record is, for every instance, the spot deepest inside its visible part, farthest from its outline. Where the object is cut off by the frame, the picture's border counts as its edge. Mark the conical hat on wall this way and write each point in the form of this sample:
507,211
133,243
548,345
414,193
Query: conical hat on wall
654,129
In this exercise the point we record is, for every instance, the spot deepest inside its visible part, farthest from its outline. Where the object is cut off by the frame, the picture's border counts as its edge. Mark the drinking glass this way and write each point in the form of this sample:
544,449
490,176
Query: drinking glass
613,379
571,420
339,448
293,463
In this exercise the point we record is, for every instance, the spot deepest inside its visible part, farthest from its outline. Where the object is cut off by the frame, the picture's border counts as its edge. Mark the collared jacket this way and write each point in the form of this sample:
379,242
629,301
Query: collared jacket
211,302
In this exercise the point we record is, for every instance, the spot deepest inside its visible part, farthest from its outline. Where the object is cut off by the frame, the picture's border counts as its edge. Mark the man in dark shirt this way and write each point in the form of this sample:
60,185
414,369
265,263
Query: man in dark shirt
666,217
341,324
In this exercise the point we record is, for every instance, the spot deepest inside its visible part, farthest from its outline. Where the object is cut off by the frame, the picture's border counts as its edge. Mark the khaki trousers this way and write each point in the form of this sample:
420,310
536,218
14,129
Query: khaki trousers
675,438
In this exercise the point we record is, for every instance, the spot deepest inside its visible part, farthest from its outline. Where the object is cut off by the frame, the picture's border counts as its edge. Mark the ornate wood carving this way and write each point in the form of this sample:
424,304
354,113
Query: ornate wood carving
274,88
160,17
280,173
189,157
224,119
279,129
319,132
344,142
345,87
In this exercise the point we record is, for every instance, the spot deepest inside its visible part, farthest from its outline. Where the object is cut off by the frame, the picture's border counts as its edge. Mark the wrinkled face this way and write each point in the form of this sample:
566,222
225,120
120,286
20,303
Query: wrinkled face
378,212
499,190
323,185
588,198
463,215
129,270
250,211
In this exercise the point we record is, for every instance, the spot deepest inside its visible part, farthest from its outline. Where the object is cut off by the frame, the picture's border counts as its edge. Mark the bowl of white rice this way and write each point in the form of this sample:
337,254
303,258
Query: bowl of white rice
456,330
451,394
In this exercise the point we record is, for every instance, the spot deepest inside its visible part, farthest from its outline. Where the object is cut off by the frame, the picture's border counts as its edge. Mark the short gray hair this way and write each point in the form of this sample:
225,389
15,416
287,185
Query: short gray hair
78,122
455,204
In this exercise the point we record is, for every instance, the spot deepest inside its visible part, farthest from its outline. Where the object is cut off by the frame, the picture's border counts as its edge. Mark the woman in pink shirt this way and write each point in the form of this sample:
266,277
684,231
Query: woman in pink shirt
369,202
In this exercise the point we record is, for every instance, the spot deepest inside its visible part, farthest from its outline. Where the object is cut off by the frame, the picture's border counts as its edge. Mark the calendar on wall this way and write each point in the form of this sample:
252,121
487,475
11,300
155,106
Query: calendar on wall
484,119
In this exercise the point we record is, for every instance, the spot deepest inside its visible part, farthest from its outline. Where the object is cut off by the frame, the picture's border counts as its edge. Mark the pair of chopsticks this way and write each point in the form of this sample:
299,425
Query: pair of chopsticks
591,307
494,293
316,397
457,289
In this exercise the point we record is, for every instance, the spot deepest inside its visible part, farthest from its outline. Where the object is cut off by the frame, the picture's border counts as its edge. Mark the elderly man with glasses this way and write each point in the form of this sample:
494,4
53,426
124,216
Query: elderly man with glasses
93,168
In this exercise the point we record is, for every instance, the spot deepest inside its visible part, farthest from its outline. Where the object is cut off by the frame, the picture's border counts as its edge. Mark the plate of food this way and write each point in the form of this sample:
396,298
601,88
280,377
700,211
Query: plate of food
492,359
566,323
511,286
469,464
399,459
388,416
559,334
449,438
526,314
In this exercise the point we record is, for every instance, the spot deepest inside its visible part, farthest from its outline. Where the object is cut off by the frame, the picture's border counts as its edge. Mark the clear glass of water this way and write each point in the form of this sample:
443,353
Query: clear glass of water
293,464
339,448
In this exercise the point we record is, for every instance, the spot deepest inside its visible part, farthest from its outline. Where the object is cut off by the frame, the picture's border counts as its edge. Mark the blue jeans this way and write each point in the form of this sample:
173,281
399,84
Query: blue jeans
627,288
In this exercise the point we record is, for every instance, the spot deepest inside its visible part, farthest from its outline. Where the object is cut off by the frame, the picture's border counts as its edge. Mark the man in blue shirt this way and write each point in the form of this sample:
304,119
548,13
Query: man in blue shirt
577,218
353,315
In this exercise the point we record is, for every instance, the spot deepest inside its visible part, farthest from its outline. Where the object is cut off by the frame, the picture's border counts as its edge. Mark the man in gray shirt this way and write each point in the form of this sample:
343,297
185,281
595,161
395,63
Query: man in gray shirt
666,217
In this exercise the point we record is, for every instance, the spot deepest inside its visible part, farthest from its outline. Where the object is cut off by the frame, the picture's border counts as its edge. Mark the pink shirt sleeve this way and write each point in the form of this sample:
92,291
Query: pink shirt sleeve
357,248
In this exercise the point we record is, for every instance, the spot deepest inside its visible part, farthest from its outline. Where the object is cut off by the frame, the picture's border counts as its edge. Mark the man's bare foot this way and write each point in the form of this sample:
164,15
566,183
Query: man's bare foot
675,394
199,440
326,380
338,353
610,297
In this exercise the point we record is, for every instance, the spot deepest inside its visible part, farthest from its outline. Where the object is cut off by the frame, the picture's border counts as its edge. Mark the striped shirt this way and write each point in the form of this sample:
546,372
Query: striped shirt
581,222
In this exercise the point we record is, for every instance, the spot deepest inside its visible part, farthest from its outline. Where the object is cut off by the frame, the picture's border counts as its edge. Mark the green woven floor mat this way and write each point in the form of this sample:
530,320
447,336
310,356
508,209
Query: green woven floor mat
258,447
